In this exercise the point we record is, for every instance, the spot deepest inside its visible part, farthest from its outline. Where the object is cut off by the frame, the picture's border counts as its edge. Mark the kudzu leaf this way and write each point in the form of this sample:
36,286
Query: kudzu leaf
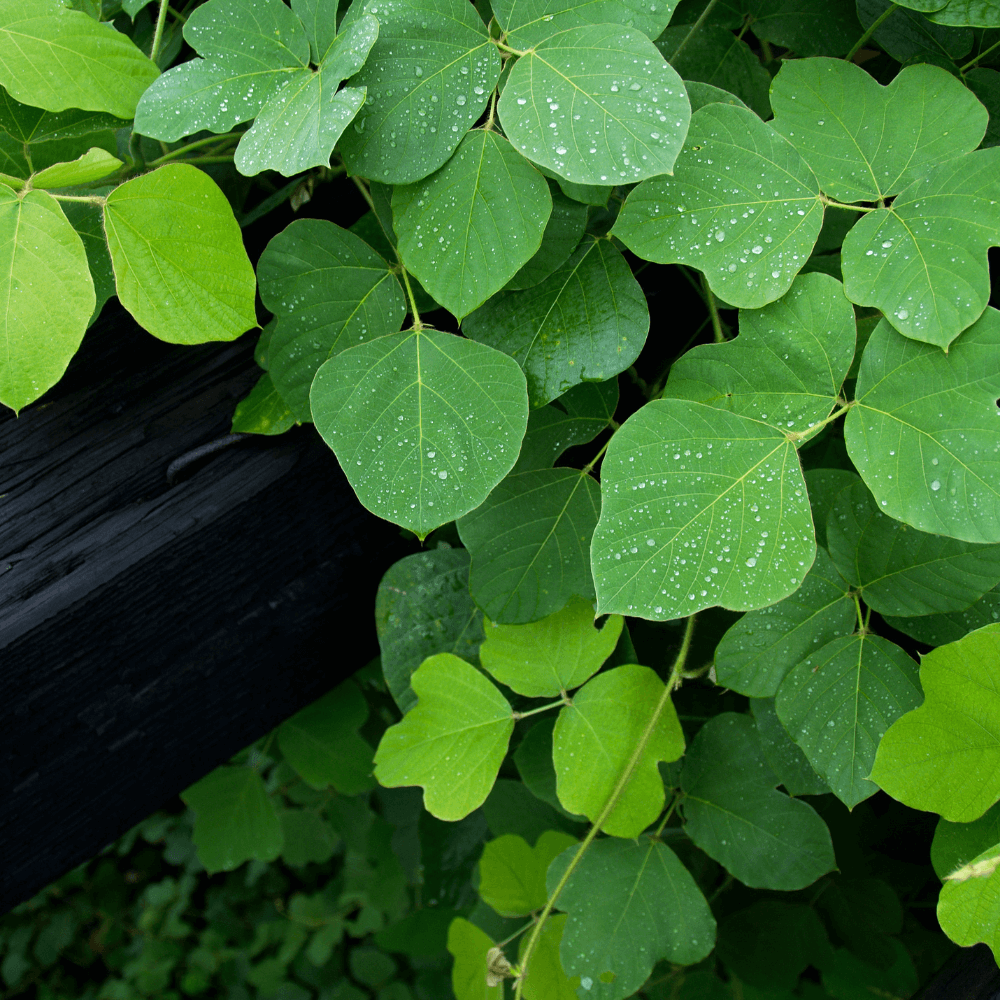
491,206
512,873
597,104
428,79
180,266
866,142
528,22
12,162
48,294
551,656
787,365
533,758
956,844
235,820
630,904
530,544
562,236
423,606
808,27
91,166
900,570
330,291
785,758
451,742
86,218
906,34
937,630
847,975
319,18
758,651
943,757
742,206
985,84
28,124
586,320
923,260
700,94
924,430
733,813
838,703
824,485
423,423
969,905
863,913
545,979
263,411
307,837
700,508
469,946
511,808
968,13
595,738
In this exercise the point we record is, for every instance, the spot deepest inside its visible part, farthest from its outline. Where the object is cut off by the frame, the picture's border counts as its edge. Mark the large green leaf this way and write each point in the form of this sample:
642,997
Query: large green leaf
330,291
180,266
733,813
528,22
944,756
87,219
452,742
631,904
742,206
562,236
700,508
586,320
55,58
936,630
785,758
968,13
956,844
908,34
28,124
428,79
263,411
424,423
47,291
597,104
968,908
512,873
545,979
838,703
530,544
466,230
596,737
92,166
807,27
469,946
824,485
924,430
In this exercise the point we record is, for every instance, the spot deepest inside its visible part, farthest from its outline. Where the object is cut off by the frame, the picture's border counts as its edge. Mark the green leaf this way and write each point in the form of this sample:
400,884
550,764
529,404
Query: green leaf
452,742
528,22
907,34
701,94
322,743
562,236
866,142
551,656
319,18
511,808
808,27
28,124
55,58
900,570
957,844
824,485
968,908
512,873
533,758
968,13
545,979
723,517
733,813
469,946
985,84
742,206
596,737
48,294
943,757
264,411
330,291
630,904
307,837
428,78
838,703
758,651
180,266
235,819
937,630
619,111
91,166
87,220
423,606
587,320
785,758
530,544
848,977
492,207
788,364
923,432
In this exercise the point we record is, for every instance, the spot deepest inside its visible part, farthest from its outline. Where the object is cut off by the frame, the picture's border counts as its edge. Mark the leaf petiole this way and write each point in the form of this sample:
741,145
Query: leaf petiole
694,28
198,144
541,708
872,28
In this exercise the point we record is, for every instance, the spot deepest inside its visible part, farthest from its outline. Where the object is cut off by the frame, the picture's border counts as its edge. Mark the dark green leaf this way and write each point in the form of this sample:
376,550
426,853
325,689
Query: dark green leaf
786,759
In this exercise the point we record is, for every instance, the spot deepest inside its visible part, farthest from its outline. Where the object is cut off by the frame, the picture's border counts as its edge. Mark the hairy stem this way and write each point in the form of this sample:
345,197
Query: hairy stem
161,18
972,62
90,199
799,435
872,28
541,708
694,28
830,203
173,154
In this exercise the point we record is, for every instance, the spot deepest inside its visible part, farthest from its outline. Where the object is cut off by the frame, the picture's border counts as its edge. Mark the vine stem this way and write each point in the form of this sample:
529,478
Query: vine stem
972,62
872,28
161,18
694,27
90,199
831,203
541,708
713,311
675,678
597,457
198,144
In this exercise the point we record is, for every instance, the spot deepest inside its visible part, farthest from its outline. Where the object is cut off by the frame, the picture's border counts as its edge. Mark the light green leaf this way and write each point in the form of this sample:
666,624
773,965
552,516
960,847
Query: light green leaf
968,908
469,947
723,517
551,656
733,813
619,111
177,250
87,220
263,411
423,423
788,364
319,18
968,13
235,819
924,430
562,236
956,844
330,291
785,758
528,22
452,742
630,904
55,58
530,544
758,651
545,979
742,206
492,207
923,260
91,166
595,738
807,27
838,703
428,79
28,124
307,837
936,630
47,291
944,756
900,570
512,873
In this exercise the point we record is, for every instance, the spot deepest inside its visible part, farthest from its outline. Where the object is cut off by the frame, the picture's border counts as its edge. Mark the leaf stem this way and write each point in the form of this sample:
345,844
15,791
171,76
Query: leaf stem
799,435
972,62
872,28
198,144
541,708
674,802
713,311
158,32
221,158
597,457
831,203
857,607
417,324
504,47
90,199
694,28
517,933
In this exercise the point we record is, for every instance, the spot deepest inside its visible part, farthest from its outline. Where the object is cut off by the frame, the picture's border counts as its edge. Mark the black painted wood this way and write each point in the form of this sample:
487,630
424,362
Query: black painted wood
149,631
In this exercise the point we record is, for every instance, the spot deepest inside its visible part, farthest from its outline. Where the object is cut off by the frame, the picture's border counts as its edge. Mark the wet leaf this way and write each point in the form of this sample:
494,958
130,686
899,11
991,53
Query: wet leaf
785,758
263,411
807,27
528,22
562,236
28,124
936,630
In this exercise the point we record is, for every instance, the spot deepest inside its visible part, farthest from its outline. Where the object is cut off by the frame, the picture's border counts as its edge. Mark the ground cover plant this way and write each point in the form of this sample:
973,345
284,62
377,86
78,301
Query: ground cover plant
665,329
